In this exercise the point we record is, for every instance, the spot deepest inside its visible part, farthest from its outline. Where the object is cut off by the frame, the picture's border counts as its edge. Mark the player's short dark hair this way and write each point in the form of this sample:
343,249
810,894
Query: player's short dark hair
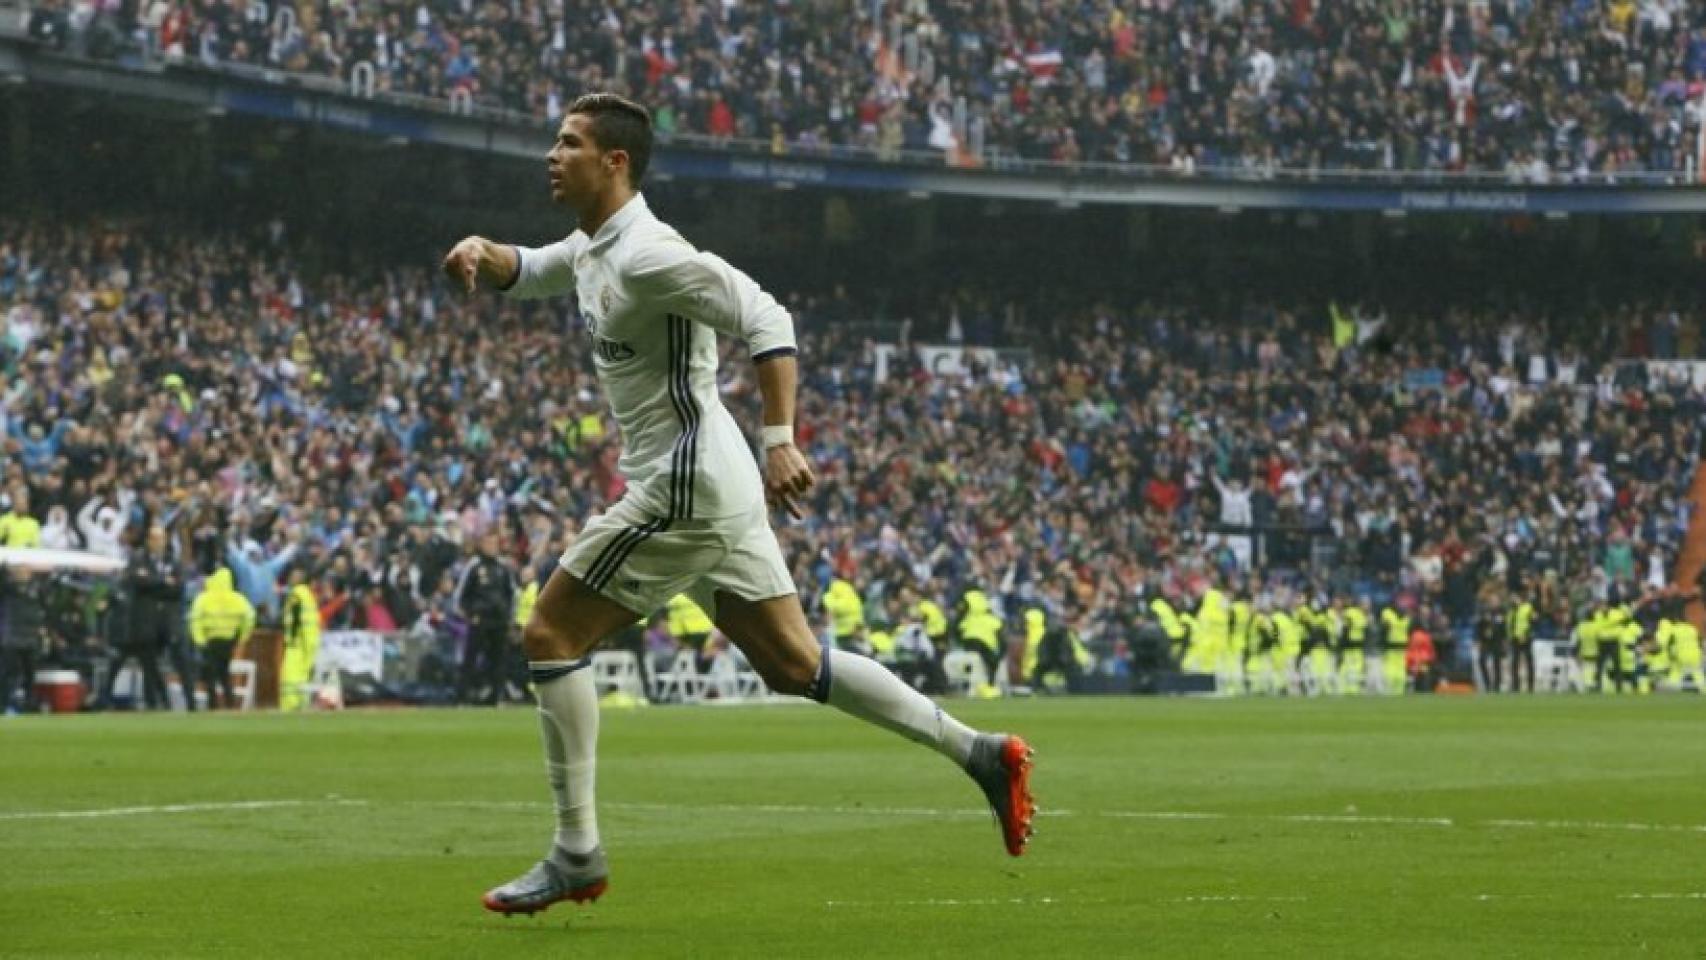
619,124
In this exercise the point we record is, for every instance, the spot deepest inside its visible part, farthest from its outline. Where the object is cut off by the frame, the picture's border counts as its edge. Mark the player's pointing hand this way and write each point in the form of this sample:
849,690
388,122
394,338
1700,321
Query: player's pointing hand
786,475
462,264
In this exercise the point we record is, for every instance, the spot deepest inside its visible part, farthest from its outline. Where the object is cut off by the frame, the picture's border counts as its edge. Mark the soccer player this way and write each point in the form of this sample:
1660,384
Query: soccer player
693,518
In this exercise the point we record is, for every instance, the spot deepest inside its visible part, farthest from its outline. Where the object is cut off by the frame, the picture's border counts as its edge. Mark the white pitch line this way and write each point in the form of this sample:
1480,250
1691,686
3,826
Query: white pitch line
1055,901
1277,817
973,902
808,809
1210,898
1358,818
1233,898
175,808
1162,815
652,807
1596,825
877,811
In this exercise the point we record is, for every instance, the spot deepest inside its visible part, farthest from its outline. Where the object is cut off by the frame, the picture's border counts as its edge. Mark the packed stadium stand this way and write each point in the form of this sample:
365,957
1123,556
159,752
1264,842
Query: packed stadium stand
1522,91
1080,421
367,428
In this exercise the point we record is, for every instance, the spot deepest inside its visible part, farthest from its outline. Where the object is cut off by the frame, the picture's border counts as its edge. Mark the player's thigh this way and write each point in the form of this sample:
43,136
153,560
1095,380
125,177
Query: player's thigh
570,619
773,634
755,603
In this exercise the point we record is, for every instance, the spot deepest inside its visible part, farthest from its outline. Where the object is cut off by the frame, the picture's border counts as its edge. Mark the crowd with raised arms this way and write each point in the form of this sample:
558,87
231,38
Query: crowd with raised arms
357,436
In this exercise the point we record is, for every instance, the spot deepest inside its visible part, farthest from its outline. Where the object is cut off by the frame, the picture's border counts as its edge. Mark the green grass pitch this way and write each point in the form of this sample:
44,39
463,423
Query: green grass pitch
1428,827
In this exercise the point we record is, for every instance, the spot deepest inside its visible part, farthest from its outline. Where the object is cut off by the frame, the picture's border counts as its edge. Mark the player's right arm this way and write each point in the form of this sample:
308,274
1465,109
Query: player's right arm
523,273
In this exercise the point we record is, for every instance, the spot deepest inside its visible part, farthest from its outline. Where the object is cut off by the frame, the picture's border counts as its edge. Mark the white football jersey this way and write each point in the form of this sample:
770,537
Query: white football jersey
648,298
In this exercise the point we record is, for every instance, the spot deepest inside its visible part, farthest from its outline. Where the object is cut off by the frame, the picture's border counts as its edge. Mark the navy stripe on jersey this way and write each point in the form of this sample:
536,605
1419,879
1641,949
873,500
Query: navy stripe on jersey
693,411
674,330
641,532
775,352
684,461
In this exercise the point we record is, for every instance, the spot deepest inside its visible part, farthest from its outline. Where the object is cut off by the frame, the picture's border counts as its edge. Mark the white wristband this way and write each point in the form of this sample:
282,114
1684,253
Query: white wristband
778,436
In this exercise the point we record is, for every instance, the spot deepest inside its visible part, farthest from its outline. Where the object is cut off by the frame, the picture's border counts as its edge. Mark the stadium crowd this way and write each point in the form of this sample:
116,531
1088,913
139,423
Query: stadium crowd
1535,91
346,448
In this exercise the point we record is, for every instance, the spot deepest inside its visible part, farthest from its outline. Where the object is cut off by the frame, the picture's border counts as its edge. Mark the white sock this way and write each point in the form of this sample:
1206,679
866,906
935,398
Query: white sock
867,690
568,721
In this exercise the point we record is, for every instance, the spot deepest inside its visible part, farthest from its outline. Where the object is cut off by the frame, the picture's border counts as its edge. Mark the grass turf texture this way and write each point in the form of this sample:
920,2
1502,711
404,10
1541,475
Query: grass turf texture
795,831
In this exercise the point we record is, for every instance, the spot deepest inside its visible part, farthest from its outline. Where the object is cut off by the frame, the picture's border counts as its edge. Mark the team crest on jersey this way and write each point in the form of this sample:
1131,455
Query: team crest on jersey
610,351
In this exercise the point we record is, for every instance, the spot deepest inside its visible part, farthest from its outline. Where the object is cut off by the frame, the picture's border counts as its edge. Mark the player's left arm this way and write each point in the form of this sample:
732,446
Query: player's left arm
705,287
786,472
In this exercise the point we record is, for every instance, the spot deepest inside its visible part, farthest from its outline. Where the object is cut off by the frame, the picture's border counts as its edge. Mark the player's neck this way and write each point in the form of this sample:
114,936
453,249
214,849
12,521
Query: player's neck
594,214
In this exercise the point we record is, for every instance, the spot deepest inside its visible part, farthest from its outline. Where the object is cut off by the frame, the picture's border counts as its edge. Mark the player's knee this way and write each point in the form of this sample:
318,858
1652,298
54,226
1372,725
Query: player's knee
543,641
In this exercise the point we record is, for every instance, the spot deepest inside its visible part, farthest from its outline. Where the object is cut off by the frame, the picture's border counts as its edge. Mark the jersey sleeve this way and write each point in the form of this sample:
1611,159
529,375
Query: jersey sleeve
547,271
703,286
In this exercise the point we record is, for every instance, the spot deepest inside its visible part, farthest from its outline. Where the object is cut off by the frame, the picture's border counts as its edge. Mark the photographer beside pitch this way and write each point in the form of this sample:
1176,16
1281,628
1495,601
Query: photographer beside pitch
692,520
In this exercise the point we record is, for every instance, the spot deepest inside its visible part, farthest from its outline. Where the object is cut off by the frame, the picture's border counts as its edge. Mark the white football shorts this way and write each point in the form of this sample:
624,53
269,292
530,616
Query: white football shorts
640,560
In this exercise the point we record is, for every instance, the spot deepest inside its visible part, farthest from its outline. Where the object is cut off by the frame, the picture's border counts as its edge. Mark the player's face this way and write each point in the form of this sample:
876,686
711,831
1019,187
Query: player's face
578,168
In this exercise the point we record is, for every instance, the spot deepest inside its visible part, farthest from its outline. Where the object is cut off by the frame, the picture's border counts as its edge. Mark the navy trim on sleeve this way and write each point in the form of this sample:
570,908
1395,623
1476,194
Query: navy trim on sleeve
773,354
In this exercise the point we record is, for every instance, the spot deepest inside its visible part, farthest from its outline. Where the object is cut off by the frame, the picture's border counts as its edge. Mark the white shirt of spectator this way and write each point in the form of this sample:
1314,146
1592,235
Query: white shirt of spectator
102,525
1537,368
21,325
1428,567
648,298
1235,508
56,533
1461,87
1263,69
1656,570
941,126
1291,484
1655,14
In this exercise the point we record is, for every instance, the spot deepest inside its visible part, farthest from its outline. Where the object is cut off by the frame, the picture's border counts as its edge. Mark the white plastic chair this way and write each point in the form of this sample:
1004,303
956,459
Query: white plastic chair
325,677
681,682
722,678
1555,667
966,674
617,670
243,683
751,685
